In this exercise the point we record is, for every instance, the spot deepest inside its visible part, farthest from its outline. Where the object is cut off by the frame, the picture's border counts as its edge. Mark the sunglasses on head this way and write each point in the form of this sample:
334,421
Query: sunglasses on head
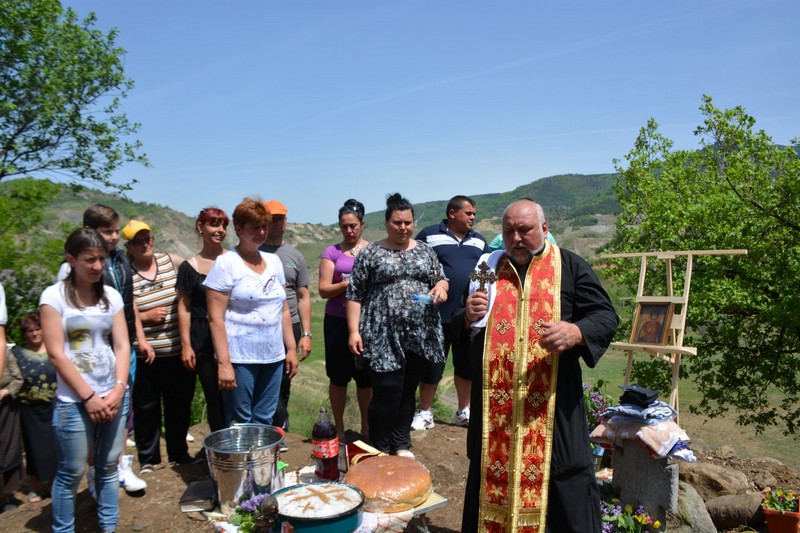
350,208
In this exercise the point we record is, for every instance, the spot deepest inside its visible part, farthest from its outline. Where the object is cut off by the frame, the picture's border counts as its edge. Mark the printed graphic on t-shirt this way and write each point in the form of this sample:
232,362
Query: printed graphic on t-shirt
97,364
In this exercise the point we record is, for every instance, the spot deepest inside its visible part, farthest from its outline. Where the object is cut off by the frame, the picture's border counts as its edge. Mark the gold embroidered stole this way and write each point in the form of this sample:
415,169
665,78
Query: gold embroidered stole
519,392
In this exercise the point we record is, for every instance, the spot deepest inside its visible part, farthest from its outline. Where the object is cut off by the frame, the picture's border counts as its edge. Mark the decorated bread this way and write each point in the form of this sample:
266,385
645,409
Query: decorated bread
317,500
390,483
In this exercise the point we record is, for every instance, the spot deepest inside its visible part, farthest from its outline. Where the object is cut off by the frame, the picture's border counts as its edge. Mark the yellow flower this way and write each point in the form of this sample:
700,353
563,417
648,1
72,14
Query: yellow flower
629,509
657,524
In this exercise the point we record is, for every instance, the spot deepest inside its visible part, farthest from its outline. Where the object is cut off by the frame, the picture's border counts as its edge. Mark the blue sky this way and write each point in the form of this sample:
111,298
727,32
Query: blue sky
314,102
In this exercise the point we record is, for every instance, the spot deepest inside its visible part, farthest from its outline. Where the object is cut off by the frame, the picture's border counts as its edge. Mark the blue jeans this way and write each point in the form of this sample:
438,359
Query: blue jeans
255,397
75,435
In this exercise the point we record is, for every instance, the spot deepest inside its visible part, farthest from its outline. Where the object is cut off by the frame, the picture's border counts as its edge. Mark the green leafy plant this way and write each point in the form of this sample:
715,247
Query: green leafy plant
781,500
245,514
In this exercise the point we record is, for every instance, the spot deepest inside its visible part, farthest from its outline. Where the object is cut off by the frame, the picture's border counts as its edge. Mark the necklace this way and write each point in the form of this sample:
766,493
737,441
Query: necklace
354,250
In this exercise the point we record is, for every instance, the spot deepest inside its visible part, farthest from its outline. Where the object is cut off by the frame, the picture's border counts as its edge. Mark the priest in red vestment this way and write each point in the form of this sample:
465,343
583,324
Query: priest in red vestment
532,313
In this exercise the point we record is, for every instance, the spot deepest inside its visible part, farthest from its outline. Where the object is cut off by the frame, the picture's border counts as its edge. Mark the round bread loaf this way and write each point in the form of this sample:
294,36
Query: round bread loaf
390,483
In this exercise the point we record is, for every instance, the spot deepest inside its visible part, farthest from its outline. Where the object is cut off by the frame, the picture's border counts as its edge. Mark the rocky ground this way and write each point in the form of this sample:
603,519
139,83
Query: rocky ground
156,508
441,449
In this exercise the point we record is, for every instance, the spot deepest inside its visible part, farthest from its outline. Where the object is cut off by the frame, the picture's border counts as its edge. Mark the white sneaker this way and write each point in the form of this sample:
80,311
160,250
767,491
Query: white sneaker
189,437
127,479
90,482
462,417
422,420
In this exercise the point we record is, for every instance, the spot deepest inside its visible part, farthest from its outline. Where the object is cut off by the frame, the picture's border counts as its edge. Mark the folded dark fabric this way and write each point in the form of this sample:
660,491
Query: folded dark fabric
638,395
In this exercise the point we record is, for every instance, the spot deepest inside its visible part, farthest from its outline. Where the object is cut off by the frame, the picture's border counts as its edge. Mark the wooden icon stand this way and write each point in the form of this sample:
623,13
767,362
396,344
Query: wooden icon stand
660,321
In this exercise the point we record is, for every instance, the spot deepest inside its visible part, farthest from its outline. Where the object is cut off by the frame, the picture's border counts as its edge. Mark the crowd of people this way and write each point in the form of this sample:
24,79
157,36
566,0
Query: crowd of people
119,341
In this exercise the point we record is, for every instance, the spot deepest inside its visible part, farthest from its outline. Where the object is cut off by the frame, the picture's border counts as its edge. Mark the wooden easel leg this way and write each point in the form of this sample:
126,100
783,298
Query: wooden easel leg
628,368
673,397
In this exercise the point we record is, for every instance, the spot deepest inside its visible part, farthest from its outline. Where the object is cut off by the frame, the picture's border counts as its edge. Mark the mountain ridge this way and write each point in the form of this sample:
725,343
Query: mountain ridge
580,209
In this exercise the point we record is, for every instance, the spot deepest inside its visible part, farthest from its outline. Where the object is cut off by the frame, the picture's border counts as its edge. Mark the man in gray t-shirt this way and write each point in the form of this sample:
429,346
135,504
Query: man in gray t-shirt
297,295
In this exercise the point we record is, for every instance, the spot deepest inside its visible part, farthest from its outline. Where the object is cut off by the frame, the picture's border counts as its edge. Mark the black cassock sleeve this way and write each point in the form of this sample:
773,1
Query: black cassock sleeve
585,303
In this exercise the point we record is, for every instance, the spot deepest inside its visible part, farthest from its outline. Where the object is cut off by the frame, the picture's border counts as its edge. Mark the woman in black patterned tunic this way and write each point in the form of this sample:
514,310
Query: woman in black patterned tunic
36,406
397,336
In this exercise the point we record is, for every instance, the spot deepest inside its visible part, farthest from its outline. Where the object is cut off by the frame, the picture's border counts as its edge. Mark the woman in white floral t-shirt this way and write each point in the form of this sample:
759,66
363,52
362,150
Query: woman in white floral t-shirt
86,337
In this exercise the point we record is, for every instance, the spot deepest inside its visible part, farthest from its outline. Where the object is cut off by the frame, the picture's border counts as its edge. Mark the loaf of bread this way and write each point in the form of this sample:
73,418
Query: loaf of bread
390,483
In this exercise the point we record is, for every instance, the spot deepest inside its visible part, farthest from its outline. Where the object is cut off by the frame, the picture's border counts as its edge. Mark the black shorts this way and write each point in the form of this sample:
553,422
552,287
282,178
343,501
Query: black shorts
340,363
434,372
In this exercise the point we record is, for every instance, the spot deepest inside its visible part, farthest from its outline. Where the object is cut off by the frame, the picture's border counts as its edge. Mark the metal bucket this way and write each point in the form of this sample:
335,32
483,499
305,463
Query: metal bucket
242,460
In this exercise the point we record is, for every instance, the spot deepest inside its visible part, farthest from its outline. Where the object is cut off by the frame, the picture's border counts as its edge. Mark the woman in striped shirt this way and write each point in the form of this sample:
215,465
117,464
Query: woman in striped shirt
162,377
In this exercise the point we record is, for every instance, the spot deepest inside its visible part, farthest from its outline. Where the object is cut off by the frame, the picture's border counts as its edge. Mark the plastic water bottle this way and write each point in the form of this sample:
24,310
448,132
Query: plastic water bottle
597,454
326,448
422,299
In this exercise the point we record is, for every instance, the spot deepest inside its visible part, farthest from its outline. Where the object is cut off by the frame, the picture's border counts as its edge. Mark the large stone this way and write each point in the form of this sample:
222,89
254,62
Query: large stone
691,516
643,480
764,480
735,510
712,481
726,452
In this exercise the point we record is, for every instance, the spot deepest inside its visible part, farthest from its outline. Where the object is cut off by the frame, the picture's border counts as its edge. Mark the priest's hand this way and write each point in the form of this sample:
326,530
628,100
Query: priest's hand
560,336
477,306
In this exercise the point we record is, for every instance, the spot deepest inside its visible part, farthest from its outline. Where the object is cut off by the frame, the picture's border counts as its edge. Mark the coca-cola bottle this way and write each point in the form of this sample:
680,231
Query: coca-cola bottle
326,448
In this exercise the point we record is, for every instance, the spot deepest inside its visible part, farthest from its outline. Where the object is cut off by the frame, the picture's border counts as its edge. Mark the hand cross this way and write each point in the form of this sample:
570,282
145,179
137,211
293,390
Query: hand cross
483,276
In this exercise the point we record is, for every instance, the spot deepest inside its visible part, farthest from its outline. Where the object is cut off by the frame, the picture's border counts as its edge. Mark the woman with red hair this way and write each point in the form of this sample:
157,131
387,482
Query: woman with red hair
197,350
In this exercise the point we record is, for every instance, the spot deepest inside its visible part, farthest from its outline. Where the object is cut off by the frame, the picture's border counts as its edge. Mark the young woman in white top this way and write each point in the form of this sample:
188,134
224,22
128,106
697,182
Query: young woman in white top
86,336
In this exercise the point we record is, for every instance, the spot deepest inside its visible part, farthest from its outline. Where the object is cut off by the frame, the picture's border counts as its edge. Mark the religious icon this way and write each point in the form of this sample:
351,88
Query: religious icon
652,323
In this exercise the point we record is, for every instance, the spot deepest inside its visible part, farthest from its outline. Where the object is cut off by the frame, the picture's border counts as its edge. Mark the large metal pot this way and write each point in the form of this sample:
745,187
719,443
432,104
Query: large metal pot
343,522
242,460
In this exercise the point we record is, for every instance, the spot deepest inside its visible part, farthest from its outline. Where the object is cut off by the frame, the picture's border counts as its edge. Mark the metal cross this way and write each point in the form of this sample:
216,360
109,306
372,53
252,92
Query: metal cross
483,276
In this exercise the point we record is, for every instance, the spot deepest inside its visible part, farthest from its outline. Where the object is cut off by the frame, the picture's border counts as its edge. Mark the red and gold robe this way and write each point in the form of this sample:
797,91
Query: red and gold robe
519,388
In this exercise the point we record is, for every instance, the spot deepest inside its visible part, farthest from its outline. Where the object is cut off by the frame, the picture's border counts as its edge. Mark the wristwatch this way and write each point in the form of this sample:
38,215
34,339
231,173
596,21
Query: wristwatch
308,334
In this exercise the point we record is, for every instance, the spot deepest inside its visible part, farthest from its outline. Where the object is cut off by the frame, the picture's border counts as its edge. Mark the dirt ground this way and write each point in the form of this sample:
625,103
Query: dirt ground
441,450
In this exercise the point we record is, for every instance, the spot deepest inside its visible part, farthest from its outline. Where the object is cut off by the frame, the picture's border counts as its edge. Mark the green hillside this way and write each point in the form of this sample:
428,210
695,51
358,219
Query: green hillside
567,196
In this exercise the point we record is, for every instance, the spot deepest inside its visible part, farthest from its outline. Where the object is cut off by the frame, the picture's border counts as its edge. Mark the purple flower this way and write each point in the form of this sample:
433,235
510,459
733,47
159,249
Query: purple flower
251,505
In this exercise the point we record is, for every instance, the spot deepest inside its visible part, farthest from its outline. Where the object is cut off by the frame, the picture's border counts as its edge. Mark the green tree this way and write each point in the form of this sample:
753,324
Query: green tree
28,259
61,88
738,190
